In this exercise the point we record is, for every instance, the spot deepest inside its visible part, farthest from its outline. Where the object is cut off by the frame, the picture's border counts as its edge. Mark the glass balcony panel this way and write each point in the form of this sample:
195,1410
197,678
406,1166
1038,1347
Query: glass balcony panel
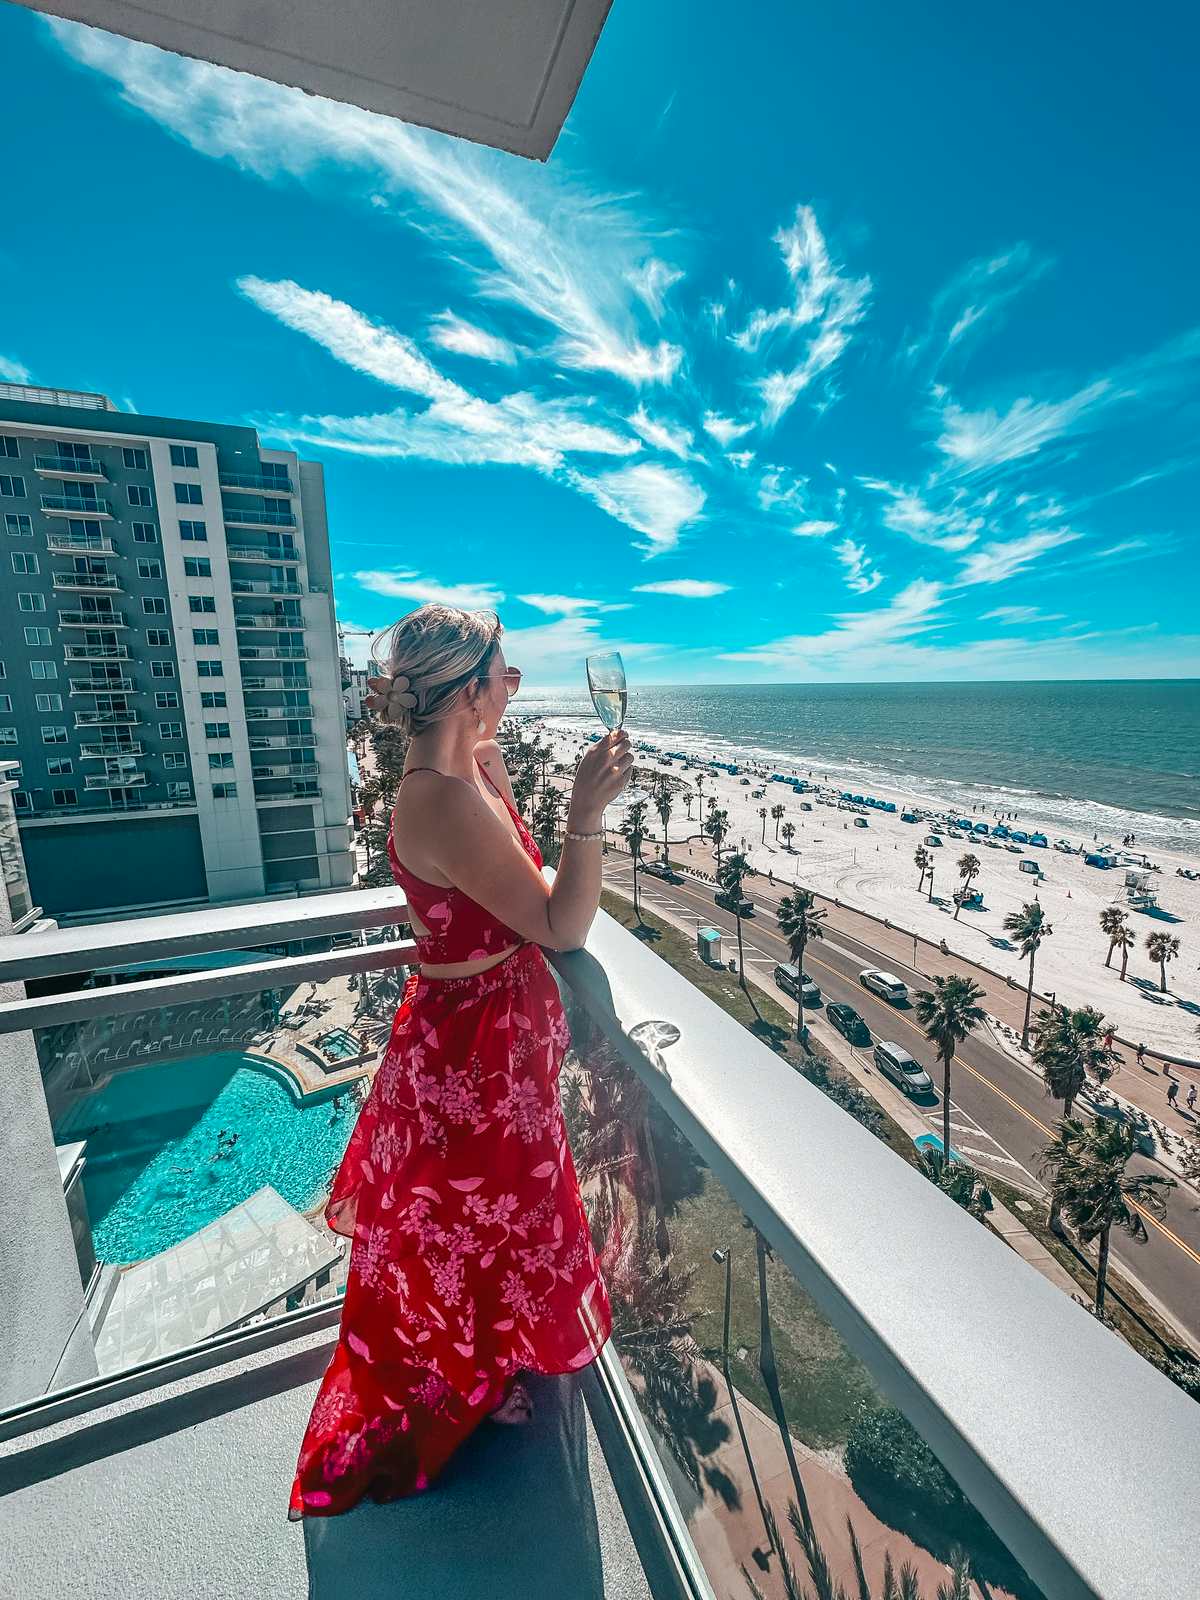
62,505
89,544
92,619
251,552
96,652
101,685
258,517
253,483
86,580
76,468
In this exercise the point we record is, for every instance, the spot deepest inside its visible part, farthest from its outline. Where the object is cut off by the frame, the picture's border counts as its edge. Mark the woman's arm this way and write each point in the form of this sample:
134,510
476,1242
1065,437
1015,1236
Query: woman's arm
491,759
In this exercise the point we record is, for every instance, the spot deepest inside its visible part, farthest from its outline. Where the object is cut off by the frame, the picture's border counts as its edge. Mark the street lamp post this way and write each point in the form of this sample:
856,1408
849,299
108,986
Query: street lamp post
762,1557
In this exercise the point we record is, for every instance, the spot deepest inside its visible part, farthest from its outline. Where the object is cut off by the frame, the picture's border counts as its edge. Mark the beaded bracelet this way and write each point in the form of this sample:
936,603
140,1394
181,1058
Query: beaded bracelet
599,834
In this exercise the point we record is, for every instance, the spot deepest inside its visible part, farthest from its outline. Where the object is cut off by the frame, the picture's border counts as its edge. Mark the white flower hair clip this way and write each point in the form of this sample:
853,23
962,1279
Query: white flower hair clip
392,693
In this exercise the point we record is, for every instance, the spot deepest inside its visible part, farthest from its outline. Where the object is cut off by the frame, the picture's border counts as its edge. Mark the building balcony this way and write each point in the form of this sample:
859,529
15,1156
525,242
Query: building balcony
70,467
91,619
87,580
115,780
81,544
119,802
106,719
107,749
291,769
278,714
102,685
258,517
282,741
96,652
250,552
177,1394
255,622
61,505
281,652
247,586
254,483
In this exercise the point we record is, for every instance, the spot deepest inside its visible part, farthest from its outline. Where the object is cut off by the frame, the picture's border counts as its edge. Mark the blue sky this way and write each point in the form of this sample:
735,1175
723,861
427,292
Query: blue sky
861,344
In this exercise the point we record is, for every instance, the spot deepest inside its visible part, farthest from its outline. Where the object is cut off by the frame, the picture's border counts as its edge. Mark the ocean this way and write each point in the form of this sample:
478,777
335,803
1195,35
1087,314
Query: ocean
1080,758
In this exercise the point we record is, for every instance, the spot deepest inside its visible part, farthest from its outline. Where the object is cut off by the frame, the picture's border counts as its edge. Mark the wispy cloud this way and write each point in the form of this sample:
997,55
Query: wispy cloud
994,563
1124,547
951,527
451,332
13,371
977,440
858,639
685,588
651,282
825,306
814,529
402,584
861,575
975,301
657,501
724,429
661,435
1018,616
552,652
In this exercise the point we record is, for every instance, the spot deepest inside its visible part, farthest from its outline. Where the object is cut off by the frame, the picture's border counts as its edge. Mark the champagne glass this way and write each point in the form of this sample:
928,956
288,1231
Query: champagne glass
606,681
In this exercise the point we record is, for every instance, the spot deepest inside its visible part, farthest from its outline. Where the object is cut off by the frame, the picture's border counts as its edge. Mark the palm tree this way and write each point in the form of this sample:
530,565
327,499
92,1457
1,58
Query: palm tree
633,829
716,828
1112,920
789,833
662,804
688,797
768,1367
1124,940
1162,947
949,1012
921,861
968,870
777,814
762,811
546,817
1068,1049
902,1585
730,876
1029,927
799,921
1088,1167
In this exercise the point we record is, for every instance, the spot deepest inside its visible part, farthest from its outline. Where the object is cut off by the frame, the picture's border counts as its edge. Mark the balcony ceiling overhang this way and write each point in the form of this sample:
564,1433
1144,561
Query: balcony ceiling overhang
499,72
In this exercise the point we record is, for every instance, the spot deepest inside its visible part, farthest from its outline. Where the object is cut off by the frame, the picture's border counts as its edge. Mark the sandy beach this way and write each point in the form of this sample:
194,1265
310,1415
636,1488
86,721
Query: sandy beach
871,868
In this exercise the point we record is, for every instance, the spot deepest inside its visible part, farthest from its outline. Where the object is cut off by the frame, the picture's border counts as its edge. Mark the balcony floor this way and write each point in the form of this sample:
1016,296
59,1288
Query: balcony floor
181,1493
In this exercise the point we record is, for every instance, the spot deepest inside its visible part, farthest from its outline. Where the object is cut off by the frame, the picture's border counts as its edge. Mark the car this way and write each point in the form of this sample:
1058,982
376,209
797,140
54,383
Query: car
789,978
885,984
661,869
894,1061
742,907
848,1022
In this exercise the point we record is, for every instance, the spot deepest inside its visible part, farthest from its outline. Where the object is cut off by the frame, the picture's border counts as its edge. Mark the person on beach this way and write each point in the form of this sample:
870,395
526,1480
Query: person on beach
1191,1097
1172,1092
1141,1055
472,1258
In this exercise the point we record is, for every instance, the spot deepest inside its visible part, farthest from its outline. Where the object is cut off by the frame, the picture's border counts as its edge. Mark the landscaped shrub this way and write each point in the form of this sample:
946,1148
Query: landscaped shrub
885,1452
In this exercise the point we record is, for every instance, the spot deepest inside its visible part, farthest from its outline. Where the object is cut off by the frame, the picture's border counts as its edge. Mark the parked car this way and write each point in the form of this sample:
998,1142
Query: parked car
848,1022
894,1061
660,869
885,984
742,907
790,979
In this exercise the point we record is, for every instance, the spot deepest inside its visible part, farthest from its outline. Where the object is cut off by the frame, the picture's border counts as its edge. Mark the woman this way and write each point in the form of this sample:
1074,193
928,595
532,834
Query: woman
471,1260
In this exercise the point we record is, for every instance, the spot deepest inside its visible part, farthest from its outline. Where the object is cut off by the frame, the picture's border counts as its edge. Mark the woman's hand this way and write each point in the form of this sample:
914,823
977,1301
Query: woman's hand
599,778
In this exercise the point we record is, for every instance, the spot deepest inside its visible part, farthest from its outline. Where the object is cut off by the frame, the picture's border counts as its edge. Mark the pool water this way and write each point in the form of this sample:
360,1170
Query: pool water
339,1044
161,1160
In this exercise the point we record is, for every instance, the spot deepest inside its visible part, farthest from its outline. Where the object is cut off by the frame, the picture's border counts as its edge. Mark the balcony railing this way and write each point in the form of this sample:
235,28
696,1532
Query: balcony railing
258,517
62,505
278,652
106,719
251,552
242,586
81,544
254,483
70,467
291,769
87,580
253,622
92,619
119,802
109,748
282,741
102,685
278,714
115,780
1071,1455
95,652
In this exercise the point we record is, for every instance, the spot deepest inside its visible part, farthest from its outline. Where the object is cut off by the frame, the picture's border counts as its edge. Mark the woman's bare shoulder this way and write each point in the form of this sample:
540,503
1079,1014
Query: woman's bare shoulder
491,759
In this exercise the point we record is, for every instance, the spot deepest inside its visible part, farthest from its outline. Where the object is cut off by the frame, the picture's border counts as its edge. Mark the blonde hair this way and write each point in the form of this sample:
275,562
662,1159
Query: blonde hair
439,650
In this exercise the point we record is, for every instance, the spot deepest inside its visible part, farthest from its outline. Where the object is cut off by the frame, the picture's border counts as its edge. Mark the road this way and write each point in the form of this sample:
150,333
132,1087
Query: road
1001,1116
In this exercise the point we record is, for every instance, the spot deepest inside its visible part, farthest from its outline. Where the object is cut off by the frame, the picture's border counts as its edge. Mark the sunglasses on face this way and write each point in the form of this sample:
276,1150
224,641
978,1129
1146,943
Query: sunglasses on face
512,680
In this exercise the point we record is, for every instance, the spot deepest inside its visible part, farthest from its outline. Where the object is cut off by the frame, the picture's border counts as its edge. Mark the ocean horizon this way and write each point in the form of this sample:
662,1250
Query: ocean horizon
1108,757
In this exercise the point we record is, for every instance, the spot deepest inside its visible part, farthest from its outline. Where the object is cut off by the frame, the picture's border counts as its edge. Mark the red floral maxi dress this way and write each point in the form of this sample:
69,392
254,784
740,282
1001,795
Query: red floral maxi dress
471,1256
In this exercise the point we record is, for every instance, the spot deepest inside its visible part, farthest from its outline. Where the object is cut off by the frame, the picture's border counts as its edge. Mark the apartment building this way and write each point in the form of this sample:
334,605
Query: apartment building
170,685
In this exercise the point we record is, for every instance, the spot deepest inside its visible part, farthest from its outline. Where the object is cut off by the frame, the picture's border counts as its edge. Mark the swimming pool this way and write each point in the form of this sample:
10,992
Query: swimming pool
162,1160
339,1044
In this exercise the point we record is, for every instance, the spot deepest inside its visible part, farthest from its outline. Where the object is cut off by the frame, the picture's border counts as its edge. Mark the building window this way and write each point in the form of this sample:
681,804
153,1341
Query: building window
31,602
64,797
197,567
179,791
53,734
210,669
206,636
276,470
12,485
201,603
73,450
139,494
21,800
173,760
5,702
218,760
188,494
59,766
135,459
48,702
166,700
8,735
162,669
159,638
213,699
145,533
184,455
43,669
10,447
224,791
197,531
170,730
18,525
147,568
153,606
3,669
216,730
24,561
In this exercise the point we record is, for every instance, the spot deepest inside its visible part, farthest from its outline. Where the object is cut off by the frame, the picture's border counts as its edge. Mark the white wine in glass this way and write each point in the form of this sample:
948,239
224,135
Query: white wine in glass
606,680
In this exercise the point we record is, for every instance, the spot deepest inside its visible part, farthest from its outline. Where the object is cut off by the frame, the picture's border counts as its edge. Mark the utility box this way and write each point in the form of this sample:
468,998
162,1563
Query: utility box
708,946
